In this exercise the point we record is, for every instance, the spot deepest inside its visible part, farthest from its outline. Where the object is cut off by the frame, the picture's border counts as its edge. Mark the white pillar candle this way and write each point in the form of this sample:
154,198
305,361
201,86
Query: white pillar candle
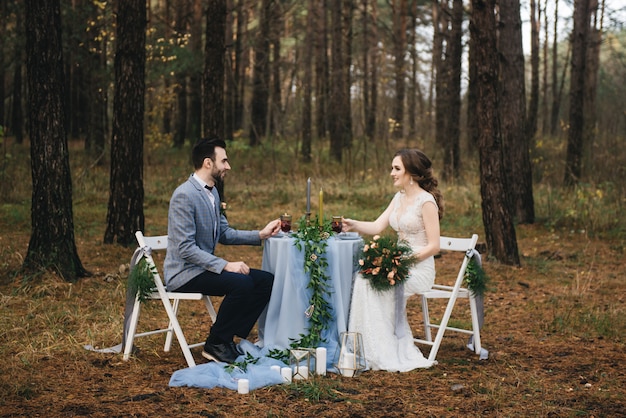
287,374
301,373
243,386
276,368
347,365
320,361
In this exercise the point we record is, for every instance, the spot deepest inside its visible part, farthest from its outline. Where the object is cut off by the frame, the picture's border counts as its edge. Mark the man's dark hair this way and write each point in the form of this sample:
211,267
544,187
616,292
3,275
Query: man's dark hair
205,148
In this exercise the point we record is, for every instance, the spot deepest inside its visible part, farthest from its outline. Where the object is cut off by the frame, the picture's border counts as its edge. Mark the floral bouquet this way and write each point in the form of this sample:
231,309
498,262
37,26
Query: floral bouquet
385,262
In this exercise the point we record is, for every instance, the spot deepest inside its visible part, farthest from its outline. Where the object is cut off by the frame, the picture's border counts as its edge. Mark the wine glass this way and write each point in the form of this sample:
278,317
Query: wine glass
336,224
285,223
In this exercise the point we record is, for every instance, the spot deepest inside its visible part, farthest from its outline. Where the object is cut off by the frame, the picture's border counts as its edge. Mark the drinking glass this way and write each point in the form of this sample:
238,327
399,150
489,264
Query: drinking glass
285,223
336,224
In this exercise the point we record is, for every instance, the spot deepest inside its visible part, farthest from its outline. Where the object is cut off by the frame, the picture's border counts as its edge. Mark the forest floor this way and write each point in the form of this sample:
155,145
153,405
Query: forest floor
554,329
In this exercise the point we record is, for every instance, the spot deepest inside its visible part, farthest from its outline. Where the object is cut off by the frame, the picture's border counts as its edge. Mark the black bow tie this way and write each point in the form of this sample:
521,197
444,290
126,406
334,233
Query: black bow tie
206,186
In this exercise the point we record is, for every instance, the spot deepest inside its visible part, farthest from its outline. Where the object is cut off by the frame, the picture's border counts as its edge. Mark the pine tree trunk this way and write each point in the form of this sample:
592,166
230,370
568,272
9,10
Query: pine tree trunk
307,84
52,244
214,52
513,111
261,76
580,39
195,78
125,211
497,220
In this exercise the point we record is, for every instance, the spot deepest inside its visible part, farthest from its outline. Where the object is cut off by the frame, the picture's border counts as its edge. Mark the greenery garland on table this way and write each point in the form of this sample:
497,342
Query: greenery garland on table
313,238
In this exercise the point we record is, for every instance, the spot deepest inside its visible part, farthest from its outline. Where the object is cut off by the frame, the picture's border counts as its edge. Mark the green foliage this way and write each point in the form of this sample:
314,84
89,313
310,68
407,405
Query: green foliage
314,390
242,365
313,236
475,277
140,279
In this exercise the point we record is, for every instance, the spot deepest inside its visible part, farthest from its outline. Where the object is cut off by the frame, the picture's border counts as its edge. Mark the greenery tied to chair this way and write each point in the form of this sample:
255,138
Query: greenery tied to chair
475,277
140,279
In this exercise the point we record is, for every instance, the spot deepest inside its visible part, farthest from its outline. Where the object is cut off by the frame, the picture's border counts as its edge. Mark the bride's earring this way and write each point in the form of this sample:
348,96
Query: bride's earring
411,181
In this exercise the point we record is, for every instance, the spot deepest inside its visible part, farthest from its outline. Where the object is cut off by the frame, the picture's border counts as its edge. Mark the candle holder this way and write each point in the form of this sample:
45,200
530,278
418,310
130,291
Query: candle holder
300,363
351,357
307,218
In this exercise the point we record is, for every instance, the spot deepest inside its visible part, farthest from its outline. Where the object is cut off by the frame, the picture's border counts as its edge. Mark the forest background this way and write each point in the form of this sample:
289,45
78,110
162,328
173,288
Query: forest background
109,96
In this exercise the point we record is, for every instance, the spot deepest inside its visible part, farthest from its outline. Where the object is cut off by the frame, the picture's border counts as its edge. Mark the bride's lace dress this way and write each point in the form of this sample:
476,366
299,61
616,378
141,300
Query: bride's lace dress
388,344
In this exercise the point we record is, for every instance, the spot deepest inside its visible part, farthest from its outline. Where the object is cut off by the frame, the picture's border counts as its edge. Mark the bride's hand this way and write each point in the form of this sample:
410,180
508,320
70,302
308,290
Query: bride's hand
347,224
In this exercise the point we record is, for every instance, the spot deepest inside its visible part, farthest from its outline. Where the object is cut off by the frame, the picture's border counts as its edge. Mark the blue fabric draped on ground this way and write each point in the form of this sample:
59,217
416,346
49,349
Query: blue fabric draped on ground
211,375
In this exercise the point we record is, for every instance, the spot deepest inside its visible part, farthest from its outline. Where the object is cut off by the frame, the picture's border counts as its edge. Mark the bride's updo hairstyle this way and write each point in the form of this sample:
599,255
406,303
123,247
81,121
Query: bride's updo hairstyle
419,166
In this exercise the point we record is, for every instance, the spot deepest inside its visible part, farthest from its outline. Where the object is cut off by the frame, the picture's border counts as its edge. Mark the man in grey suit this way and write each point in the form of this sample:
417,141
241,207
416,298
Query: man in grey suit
195,226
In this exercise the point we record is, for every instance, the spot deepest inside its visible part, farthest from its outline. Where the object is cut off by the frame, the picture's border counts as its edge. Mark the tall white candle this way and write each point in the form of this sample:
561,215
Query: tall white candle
348,365
275,368
308,195
320,361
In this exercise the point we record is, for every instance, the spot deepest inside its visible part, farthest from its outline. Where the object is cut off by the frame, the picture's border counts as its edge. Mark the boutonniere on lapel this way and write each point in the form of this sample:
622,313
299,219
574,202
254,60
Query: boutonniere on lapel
223,208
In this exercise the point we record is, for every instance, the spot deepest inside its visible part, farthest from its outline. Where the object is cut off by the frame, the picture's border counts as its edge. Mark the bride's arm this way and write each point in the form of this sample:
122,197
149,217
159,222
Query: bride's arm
430,215
368,227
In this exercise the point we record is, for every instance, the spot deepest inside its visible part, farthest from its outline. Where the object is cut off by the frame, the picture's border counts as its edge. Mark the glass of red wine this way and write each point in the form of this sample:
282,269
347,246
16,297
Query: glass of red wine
285,223
336,224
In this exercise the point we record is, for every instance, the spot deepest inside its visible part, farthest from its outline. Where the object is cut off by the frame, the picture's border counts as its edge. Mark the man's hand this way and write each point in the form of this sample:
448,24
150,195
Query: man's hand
237,267
270,229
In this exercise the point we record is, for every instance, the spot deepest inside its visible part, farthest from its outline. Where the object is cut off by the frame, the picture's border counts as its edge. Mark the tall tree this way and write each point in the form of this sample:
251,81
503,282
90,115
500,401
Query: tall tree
239,65
180,90
340,125
125,210
497,219
513,111
322,76
261,76
195,78
214,53
52,244
533,105
454,53
580,41
555,108
400,13
308,86
591,77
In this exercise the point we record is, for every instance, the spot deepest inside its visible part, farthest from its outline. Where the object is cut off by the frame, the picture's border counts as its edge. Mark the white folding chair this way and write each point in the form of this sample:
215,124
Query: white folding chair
171,301
452,293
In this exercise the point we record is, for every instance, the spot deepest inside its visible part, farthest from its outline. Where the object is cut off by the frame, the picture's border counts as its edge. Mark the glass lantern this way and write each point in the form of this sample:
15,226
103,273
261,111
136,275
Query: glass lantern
351,358
302,362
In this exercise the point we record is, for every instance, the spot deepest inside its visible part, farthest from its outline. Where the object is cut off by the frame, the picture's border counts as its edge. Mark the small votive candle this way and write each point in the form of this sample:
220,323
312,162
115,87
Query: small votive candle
320,361
276,368
243,386
287,374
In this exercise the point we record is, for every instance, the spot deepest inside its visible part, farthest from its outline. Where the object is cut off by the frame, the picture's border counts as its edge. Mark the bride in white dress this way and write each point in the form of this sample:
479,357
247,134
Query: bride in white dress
414,214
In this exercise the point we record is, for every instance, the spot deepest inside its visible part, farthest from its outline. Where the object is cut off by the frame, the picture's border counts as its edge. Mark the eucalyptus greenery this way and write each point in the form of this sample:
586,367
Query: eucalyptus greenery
140,279
313,238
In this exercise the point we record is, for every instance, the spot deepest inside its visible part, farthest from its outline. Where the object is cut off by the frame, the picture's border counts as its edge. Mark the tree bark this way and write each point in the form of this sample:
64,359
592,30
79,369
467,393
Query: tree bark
513,111
52,243
125,211
195,78
322,77
400,12
214,53
337,85
307,85
580,39
497,220
533,105
261,76
452,142
554,109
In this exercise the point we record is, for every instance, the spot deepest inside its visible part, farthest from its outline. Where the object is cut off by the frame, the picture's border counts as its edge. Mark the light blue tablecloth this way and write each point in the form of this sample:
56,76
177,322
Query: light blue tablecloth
284,319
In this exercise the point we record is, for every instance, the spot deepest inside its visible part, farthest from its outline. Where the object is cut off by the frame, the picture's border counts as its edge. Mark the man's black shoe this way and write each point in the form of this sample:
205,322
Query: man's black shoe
223,352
